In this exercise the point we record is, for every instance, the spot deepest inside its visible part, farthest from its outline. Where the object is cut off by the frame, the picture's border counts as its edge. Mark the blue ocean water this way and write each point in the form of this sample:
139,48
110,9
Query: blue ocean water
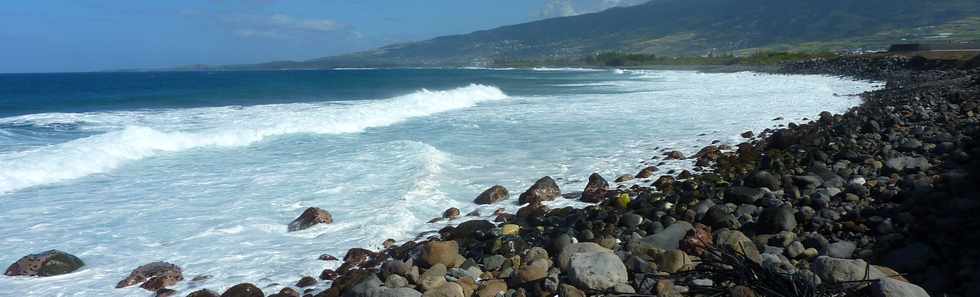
205,169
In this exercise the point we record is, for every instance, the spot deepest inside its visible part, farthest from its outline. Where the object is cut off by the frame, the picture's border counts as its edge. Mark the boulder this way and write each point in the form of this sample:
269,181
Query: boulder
243,290
447,290
565,256
888,287
166,271
286,292
49,263
719,217
907,164
492,195
624,178
440,252
310,217
566,290
834,270
396,281
597,270
841,249
545,189
433,277
596,190
763,179
395,292
737,242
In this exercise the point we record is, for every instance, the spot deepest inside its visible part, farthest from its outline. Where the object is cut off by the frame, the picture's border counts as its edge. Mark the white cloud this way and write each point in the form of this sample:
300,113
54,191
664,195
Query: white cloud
558,8
288,22
250,33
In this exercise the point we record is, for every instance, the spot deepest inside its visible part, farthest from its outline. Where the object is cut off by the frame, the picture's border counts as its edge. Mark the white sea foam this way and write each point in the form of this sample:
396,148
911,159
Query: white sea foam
174,130
565,69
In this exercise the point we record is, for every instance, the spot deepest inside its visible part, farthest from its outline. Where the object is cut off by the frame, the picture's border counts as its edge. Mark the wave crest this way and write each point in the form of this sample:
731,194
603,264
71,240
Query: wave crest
225,127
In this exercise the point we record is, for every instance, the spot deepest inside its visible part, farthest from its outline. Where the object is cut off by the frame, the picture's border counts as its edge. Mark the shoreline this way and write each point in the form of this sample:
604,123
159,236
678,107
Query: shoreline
665,239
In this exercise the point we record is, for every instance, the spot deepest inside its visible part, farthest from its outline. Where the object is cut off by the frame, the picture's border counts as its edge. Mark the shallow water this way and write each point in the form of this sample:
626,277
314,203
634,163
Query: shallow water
205,170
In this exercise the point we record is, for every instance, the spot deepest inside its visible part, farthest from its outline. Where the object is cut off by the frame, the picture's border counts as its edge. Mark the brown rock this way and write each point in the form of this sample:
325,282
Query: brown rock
673,261
328,274
243,290
566,290
203,293
536,270
49,263
674,155
164,280
545,189
434,277
748,134
151,270
468,284
447,290
624,178
451,213
286,292
596,190
533,210
697,240
491,288
741,291
306,281
492,195
647,172
440,252
310,217
665,288
165,293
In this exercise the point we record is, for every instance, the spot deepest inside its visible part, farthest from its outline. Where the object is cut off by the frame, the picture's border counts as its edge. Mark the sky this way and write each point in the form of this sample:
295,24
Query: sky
94,35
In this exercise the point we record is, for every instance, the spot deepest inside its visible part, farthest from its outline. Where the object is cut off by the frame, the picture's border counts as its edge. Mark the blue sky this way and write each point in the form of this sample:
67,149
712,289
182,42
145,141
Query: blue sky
91,35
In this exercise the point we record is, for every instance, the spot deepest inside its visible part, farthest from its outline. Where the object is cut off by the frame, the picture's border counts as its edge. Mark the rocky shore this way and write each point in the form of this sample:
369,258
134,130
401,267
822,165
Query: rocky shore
879,201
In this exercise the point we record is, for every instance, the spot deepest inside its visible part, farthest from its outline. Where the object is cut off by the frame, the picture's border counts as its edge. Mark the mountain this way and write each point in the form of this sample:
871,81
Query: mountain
687,27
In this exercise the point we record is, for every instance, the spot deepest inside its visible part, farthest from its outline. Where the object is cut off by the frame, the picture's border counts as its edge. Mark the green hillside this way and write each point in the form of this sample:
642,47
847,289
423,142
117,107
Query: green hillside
687,28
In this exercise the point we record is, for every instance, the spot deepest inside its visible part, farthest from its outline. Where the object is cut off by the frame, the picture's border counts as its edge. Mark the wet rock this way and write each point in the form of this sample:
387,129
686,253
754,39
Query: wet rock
632,220
718,217
596,190
310,217
203,293
451,213
49,263
674,155
162,281
647,172
545,189
286,292
492,195
763,179
440,252
306,281
166,271
744,194
597,270
243,290
624,178
747,134
326,257
329,274
776,219
166,293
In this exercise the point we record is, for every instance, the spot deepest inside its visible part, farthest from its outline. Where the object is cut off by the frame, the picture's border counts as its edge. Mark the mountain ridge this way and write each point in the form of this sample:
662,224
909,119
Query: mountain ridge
674,28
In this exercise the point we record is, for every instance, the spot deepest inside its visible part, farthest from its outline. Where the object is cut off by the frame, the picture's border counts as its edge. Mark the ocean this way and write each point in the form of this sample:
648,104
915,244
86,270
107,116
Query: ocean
206,169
